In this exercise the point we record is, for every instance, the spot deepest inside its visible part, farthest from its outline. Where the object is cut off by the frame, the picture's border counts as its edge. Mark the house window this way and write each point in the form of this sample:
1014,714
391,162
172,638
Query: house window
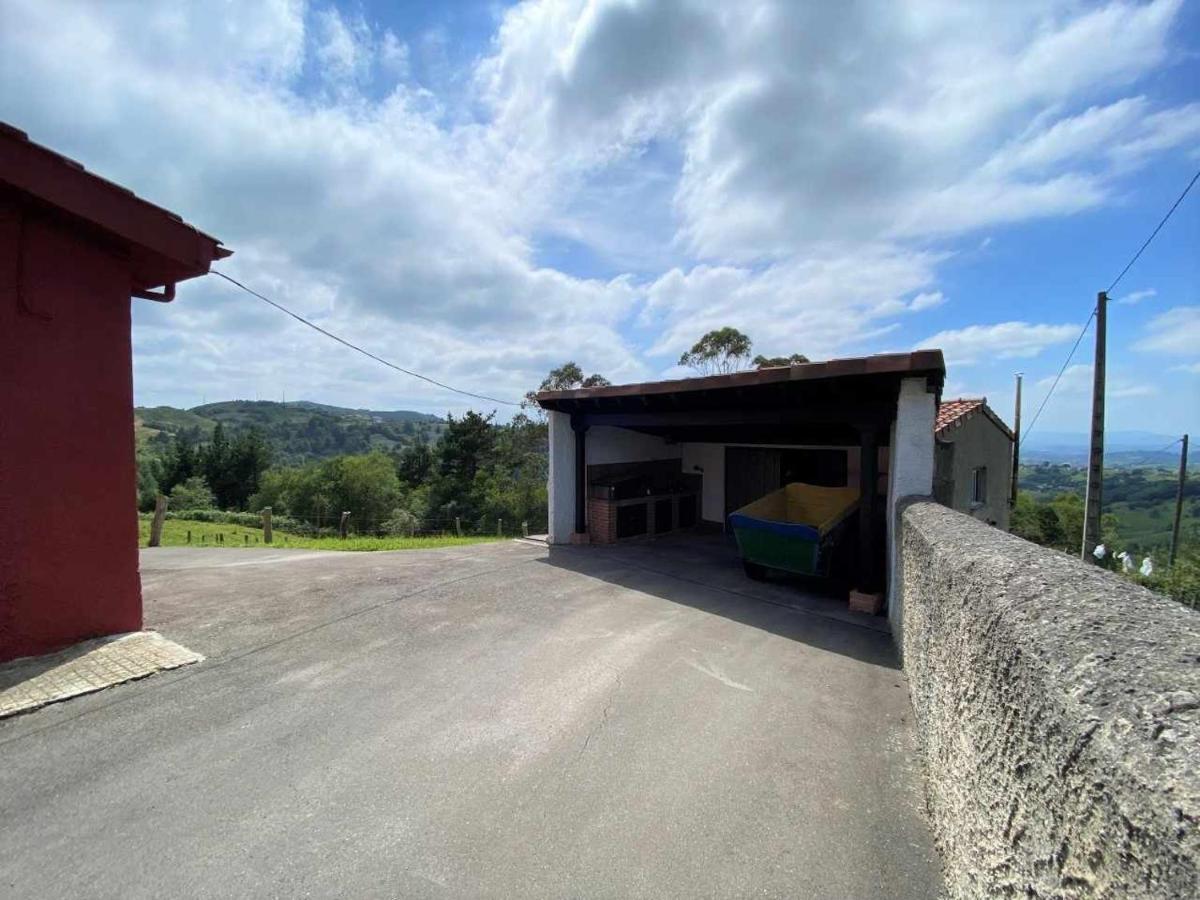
979,485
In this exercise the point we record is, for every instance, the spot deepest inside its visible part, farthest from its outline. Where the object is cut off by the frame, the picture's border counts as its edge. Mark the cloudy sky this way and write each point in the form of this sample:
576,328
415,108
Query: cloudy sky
480,191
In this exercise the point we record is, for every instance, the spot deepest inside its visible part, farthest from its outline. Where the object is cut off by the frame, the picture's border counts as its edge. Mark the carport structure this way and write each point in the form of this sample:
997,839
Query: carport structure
864,421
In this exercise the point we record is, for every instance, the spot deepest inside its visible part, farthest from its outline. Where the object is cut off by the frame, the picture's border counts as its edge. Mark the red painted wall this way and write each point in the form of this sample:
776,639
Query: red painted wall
68,524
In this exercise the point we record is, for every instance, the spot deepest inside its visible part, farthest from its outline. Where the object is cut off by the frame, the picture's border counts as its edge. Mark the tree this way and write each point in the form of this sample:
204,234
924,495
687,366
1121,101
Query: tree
566,377
179,465
767,362
148,473
249,457
721,351
513,486
213,464
466,447
194,493
415,464
365,485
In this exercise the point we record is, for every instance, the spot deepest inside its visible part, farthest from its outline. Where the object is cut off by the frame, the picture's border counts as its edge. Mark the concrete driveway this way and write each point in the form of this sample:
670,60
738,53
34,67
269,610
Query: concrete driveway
498,720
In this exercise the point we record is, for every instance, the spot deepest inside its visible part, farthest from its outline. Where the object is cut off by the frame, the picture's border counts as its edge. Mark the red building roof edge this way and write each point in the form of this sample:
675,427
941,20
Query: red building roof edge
165,248
953,412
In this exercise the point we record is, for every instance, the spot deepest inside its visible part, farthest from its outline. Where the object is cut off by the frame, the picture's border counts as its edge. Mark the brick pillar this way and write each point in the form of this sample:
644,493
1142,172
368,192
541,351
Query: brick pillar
602,521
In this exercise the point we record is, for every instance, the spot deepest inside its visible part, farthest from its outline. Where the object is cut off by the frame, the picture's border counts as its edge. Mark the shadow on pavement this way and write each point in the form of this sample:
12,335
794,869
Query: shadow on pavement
703,572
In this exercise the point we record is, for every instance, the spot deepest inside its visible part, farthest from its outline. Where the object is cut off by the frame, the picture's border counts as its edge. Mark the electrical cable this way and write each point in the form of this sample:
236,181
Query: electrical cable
367,353
1116,281
1057,378
1155,232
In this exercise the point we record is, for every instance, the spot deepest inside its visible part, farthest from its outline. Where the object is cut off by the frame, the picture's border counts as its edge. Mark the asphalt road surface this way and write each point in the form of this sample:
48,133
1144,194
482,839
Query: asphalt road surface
498,720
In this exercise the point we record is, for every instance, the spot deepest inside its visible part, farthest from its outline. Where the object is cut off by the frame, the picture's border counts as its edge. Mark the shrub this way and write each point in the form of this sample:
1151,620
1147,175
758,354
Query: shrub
194,493
401,523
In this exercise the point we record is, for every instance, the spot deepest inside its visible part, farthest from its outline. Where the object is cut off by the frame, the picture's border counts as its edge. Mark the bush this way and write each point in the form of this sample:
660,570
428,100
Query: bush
401,523
194,493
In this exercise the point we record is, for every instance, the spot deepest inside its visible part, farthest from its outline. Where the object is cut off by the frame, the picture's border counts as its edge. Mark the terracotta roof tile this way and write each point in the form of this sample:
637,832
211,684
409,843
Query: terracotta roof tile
951,412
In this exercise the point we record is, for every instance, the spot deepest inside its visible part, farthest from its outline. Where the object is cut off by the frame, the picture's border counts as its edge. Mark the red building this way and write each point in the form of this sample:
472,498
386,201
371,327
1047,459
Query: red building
74,249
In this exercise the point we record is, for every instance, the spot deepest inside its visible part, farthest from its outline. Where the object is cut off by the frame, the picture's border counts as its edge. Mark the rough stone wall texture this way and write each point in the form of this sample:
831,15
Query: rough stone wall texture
1058,710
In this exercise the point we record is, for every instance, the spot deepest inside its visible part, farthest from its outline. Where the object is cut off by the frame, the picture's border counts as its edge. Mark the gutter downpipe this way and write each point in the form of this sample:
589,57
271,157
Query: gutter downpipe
167,295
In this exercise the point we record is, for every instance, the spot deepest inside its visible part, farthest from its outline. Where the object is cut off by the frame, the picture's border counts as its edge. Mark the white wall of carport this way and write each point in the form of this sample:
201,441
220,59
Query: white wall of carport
562,478
910,473
711,458
617,445
602,445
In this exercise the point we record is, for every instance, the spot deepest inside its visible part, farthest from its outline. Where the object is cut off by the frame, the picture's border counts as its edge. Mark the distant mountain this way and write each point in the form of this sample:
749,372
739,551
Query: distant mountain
1122,449
383,415
298,431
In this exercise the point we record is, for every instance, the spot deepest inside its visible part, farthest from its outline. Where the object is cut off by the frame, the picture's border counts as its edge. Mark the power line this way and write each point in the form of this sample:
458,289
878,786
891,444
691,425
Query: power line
367,353
1155,232
1058,377
1163,449
1116,281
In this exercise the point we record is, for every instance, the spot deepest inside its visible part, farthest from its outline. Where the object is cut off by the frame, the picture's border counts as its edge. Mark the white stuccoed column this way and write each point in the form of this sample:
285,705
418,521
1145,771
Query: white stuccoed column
910,472
562,478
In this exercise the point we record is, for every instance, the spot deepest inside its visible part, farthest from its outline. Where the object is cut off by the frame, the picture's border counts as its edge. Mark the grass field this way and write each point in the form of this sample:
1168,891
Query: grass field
209,534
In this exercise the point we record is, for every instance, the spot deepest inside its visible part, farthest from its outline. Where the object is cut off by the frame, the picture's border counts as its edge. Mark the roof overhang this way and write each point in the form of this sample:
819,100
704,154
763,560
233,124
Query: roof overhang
830,402
162,248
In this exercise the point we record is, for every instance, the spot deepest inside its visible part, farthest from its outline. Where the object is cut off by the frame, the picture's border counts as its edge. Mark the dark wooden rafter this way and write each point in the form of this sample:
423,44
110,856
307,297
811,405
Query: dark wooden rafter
868,485
863,413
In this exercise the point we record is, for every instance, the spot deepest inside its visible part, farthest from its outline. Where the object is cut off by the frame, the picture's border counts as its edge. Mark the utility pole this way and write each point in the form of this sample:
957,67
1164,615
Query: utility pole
1183,459
1095,476
1016,460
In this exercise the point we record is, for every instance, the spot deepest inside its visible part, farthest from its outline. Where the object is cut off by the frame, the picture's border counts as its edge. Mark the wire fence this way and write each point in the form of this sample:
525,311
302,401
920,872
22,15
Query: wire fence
348,524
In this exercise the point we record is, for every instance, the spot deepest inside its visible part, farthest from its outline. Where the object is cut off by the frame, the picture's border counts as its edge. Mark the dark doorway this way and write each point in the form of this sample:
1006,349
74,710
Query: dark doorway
751,472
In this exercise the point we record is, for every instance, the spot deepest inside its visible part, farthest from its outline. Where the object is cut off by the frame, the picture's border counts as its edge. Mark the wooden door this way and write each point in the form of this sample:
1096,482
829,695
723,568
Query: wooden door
750,473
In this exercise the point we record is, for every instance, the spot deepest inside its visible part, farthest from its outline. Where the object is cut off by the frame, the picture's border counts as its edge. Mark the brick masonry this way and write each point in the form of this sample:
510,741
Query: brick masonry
602,521
32,682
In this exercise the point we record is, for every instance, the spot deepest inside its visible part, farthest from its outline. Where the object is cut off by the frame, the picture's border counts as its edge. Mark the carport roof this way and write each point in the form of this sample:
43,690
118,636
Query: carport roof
920,362
824,402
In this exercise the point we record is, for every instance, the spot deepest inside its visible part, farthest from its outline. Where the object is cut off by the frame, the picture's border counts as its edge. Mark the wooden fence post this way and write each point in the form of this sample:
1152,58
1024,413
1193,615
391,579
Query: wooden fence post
458,526
499,528
266,523
343,523
156,524
524,529
189,536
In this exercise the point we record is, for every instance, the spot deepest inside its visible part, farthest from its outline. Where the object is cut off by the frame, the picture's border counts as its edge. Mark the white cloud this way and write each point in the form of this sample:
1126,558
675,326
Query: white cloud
1176,332
1136,297
792,169
394,55
365,215
819,307
1188,368
1004,340
1076,382
926,300
790,141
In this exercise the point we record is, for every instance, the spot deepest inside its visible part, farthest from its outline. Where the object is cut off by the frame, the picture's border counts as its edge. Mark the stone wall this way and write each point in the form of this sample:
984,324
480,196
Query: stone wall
1058,710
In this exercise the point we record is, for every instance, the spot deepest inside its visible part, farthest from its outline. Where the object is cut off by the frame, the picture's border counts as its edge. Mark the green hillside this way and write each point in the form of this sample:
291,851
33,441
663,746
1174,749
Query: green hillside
1142,500
298,432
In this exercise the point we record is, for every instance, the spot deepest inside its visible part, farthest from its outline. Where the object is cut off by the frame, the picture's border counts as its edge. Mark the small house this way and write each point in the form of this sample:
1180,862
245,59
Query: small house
74,250
973,468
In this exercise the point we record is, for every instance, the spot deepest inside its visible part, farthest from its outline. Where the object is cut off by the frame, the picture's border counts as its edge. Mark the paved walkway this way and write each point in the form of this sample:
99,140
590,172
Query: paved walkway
499,720
30,683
